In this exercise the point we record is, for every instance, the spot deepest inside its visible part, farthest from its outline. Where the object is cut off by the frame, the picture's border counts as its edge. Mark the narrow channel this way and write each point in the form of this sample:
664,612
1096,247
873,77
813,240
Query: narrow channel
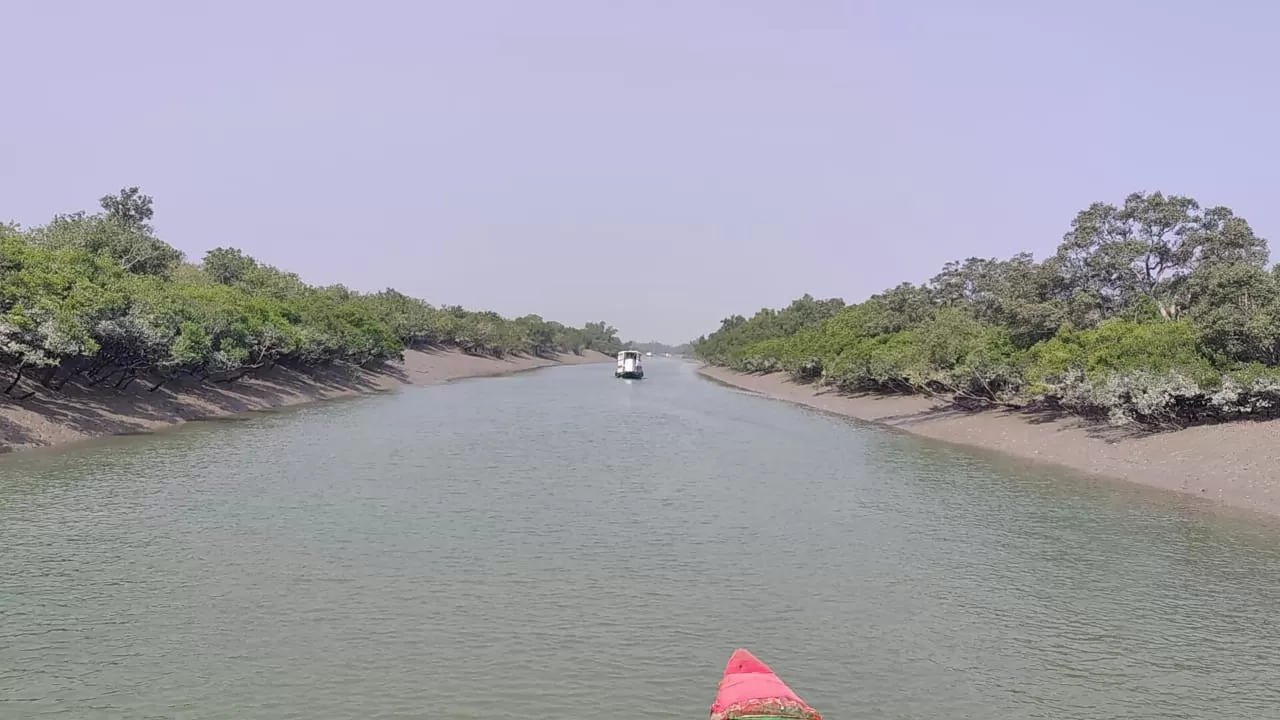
563,544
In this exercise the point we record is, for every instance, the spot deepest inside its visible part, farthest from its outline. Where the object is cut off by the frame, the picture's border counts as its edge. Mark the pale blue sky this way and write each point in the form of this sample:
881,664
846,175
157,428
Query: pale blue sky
656,164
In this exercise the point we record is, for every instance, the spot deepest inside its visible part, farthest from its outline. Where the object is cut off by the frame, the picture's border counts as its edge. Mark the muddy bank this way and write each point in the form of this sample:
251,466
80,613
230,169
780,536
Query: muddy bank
77,412
1236,464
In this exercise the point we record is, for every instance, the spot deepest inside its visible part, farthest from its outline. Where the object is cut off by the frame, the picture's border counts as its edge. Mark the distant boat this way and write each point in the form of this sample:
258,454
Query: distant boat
750,691
629,365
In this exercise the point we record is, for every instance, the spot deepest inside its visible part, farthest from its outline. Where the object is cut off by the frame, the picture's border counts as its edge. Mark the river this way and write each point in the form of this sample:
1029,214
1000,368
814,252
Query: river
561,544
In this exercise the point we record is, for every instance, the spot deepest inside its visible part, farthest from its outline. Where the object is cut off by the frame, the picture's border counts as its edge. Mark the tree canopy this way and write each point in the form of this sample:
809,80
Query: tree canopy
1154,311
99,296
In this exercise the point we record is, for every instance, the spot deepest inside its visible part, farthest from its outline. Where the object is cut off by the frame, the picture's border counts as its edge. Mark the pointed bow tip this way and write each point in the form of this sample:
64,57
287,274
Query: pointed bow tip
742,661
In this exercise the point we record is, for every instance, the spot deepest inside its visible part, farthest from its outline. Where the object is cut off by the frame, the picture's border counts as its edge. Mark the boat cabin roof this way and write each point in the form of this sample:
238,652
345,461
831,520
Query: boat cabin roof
624,353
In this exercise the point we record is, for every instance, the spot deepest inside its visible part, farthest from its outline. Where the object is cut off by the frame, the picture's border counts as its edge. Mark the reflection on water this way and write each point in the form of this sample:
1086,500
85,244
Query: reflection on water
562,544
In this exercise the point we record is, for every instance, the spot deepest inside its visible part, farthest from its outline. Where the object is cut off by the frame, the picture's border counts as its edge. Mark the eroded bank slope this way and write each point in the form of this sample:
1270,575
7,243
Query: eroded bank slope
1235,464
77,413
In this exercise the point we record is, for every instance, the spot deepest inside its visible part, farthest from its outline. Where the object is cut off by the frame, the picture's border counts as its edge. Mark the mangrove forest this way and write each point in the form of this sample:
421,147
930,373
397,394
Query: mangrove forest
98,298
1155,311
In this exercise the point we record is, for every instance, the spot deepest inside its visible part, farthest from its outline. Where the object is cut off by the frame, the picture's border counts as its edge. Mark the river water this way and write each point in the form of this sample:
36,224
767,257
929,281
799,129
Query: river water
562,544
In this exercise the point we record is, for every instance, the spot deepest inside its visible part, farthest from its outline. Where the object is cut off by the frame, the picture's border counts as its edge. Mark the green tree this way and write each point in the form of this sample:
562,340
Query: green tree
1155,311
1148,247
228,266
129,209
121,232
100,300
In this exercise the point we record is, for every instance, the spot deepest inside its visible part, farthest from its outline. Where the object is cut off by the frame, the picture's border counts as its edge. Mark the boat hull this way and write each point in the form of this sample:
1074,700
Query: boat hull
629,375
750,690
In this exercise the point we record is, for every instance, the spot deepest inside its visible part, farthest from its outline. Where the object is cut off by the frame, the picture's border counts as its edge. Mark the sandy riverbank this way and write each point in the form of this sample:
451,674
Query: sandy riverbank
77,413
1235,464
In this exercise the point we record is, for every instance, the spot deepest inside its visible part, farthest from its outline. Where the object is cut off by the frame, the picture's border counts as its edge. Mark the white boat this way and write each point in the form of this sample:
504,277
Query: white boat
629,365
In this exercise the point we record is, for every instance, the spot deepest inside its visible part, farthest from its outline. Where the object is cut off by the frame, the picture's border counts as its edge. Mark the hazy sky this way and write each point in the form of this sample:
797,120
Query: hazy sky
657,164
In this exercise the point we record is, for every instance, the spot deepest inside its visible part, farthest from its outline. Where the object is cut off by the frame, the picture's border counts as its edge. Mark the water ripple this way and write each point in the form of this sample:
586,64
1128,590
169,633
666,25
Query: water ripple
563,545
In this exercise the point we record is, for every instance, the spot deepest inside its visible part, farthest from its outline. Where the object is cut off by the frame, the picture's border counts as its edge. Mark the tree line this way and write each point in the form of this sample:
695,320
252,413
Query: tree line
99,298
1154,311
658,348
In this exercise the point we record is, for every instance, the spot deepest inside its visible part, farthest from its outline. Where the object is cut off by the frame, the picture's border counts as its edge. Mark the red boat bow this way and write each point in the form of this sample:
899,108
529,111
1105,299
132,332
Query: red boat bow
749,689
